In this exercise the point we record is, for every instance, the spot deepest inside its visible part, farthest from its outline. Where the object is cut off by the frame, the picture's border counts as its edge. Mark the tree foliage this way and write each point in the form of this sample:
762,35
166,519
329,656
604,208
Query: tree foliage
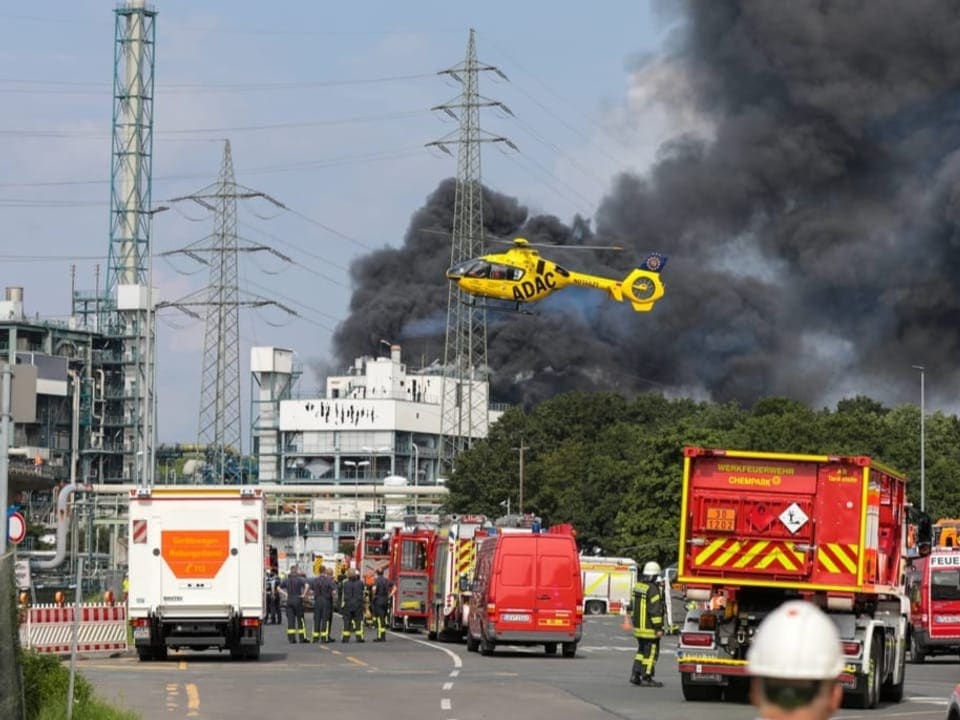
612,466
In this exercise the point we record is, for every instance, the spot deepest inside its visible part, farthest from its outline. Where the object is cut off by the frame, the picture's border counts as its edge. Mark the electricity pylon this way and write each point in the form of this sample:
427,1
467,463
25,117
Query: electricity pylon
464,405
220,427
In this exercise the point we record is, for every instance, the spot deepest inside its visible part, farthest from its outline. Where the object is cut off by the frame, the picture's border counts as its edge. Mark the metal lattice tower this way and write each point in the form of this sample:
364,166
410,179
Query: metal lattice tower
464,406
125,310
220,423
220,383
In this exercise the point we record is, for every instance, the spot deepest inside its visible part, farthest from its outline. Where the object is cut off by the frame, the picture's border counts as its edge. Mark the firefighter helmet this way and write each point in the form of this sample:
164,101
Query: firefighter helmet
797,641
651,569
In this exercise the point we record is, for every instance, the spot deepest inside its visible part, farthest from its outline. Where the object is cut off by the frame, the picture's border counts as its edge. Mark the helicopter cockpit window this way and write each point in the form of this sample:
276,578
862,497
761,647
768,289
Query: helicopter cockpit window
479,269
502,272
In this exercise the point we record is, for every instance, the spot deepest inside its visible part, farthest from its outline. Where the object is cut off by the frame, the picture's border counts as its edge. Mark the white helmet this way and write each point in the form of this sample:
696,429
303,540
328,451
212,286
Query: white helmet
797,641
651,569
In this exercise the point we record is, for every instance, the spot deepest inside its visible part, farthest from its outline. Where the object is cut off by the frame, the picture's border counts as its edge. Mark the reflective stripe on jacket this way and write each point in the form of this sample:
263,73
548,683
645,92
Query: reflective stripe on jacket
647,610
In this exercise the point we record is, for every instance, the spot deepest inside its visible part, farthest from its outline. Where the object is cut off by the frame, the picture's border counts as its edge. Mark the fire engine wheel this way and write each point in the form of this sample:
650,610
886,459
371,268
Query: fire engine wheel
893,691
868,695
917,655
145,654
472,644
594,607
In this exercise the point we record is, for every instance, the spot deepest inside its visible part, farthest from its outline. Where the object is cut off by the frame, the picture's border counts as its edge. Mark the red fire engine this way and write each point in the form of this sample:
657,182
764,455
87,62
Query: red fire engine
410,569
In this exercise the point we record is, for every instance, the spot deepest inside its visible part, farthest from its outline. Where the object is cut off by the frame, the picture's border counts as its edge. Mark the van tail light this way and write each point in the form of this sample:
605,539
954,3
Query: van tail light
580,611
491,608
696,639
250,622
851,648
140,622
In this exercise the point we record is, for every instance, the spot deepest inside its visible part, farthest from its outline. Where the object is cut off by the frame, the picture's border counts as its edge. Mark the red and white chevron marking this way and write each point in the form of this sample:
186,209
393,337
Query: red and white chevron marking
139,531
49,629
251,530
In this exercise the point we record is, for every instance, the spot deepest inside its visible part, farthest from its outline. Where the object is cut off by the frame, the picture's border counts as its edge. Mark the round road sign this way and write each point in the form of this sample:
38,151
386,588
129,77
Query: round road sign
16,527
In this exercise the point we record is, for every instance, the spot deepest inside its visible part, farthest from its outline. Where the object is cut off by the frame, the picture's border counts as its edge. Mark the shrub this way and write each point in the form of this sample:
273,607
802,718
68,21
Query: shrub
45,682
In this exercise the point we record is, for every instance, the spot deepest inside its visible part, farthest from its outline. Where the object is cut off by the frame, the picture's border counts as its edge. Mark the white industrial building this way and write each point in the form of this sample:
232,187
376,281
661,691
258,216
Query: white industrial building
376,427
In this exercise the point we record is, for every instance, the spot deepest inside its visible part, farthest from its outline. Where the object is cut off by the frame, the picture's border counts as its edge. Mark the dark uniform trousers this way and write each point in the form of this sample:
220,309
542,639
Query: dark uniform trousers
647,624
323,608
381,604
296,624
353,609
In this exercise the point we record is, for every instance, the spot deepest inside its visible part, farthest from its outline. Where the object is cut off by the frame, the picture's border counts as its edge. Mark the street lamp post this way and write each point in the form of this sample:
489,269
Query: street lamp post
374,453
150,371
923,411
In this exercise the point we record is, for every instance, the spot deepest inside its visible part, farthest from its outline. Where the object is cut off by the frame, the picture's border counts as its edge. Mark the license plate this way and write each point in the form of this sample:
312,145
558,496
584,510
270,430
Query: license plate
141,633
515,617
712,677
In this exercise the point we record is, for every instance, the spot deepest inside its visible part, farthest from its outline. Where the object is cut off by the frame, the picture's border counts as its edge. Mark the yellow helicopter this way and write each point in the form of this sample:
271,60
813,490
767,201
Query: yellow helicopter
520,275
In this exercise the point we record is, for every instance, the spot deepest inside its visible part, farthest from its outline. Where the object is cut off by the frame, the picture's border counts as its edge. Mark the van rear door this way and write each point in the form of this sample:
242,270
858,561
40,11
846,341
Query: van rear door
558,583
516,584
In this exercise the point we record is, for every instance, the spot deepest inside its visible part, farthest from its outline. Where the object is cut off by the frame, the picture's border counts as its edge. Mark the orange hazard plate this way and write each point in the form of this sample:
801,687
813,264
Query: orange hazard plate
553,621
721,519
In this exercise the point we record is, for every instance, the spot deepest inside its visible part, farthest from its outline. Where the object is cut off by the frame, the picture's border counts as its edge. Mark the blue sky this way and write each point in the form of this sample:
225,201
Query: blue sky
327,107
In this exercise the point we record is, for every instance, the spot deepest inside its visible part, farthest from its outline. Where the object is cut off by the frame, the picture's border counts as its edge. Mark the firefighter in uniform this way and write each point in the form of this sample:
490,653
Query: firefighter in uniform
294,587
323,591
383,591
273,598
794,661
352,597
647,626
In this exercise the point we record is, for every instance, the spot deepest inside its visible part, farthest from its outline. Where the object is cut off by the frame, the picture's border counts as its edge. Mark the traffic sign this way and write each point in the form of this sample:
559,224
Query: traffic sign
16,527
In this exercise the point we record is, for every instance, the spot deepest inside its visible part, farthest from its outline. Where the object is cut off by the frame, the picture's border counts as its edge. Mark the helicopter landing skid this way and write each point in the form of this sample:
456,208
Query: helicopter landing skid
506,307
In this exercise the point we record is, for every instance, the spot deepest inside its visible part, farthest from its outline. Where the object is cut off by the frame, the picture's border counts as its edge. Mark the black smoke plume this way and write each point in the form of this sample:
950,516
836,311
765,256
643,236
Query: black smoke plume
811,222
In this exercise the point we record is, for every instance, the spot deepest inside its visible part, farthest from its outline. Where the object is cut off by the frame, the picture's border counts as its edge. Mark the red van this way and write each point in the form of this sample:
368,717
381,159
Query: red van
933,584
527,591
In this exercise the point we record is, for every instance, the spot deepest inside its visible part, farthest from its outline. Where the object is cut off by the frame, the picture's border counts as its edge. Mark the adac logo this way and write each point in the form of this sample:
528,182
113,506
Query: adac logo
527,289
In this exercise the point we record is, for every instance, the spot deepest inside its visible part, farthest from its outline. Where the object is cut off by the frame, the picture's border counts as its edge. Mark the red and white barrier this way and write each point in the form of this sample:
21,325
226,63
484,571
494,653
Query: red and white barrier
49,629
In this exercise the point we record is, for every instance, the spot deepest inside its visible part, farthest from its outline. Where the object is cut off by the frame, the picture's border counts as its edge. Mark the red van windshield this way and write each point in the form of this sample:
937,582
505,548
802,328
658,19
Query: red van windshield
945,585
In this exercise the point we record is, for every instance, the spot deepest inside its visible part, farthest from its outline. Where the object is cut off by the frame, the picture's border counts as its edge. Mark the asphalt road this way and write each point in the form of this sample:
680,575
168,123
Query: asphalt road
411,677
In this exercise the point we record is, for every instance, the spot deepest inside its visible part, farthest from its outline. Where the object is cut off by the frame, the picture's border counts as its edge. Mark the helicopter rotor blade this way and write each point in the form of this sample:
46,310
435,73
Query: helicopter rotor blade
513,241
557,246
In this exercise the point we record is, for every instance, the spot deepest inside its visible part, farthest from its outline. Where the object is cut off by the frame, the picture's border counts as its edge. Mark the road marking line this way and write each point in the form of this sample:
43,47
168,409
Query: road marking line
457,662
444,703
356,661
182,665
193,700
454,673
447,685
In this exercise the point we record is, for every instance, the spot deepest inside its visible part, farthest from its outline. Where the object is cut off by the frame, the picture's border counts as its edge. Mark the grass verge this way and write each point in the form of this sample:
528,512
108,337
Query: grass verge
46,680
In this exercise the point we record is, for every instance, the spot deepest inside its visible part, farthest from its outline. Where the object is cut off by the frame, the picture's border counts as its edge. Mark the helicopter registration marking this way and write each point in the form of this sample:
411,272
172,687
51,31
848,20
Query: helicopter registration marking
527,289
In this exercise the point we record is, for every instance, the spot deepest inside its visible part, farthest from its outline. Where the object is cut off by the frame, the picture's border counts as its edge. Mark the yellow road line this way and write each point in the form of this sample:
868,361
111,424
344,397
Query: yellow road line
356,661
193,700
